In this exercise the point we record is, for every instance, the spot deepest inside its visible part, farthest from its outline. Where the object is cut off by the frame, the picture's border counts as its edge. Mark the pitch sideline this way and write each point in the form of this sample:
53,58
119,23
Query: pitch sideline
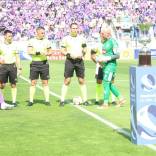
95,116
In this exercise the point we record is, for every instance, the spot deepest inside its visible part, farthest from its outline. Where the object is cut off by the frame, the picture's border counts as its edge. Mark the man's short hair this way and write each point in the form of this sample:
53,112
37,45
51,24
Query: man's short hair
40,28
74,23
2,29
8,31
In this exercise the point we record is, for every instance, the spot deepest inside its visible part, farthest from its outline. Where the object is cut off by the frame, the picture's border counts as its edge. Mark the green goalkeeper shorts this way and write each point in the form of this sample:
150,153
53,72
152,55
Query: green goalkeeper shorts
109,76
109,72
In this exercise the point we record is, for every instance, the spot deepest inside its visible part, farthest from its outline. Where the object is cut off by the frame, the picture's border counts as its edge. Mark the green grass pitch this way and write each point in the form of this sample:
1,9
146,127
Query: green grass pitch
53,131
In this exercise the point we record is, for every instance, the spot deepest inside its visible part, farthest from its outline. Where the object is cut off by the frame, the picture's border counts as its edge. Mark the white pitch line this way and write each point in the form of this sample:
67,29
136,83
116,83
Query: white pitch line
153,147
52,93
95,116
106,122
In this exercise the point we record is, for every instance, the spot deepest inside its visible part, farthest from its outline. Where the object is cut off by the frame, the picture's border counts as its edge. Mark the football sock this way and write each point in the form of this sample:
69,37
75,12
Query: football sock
84,92
64,92
98,91
32,92
14,94
46,93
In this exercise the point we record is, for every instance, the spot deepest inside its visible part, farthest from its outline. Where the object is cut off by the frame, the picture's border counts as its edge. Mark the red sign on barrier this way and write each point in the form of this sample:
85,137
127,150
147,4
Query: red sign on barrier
56,55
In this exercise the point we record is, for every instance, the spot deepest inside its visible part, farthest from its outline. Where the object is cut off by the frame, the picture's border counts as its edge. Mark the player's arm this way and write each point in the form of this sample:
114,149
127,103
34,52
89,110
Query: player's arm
101,59
18,63
1,60
63,50
30,48
116,54
1,57
64,46
84,48
48,51
93,55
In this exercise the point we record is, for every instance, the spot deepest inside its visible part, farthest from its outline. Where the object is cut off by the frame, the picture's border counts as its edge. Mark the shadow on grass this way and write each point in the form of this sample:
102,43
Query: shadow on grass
36,101
127,135
125,132
94,102
10,102
91,102
66,102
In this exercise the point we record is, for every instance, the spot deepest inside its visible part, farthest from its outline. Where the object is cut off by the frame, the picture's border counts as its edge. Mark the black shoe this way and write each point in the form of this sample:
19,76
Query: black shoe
30,103
62,103
15,104
47,103
97,103
86,103
114,103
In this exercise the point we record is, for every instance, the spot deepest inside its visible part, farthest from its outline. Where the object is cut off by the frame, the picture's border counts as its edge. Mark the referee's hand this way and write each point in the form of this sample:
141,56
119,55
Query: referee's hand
2,60
68,55
38,53
19,71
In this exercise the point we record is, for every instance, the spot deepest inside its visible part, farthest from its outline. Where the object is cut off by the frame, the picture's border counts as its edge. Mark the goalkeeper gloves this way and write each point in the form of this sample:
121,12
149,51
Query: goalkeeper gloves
103,58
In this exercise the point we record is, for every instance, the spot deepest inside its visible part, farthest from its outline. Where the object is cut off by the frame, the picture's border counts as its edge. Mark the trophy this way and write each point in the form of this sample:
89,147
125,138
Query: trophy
144,39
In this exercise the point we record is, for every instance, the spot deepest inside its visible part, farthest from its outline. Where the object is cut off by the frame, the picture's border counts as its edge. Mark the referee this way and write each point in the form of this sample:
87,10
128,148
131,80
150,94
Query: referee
74,48
39,48
10,64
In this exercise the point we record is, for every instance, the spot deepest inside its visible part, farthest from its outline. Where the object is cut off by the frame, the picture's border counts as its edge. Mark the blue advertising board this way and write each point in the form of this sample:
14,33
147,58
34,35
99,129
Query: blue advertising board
143,104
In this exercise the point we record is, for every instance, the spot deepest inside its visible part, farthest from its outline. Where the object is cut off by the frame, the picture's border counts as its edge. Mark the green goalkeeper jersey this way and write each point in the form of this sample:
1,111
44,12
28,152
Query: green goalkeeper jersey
110,46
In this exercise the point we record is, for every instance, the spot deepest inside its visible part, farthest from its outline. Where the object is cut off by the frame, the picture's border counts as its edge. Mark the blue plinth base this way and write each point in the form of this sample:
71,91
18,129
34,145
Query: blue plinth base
143,104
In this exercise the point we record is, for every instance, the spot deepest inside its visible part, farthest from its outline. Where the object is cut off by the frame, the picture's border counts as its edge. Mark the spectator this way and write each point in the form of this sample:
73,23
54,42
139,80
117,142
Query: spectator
14,14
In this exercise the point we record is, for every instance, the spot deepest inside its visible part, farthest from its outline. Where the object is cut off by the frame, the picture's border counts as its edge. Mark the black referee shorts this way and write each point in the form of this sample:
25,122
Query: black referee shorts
99,75
8,73
72,65
39,69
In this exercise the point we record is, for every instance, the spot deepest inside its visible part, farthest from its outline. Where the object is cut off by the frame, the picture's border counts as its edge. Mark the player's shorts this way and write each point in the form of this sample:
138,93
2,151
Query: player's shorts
72,65
99,75
109,72
8,73
39,69
109,76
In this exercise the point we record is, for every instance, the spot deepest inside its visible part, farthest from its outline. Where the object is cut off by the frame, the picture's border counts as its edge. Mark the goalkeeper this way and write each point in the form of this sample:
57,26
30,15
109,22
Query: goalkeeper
95,52
108,62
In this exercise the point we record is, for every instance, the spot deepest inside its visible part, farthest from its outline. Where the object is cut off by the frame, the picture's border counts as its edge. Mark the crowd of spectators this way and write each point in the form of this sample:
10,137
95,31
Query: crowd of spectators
23,16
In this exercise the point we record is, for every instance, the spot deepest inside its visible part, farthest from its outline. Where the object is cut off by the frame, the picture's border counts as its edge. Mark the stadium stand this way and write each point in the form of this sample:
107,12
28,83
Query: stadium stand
24,16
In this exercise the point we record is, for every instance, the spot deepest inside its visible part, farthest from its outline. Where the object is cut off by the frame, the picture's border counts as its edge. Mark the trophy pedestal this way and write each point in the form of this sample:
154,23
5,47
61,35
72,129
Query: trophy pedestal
144,57
143,104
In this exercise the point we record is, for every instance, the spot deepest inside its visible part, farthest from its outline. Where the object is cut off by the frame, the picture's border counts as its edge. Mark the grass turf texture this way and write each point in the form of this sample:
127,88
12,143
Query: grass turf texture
42,130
